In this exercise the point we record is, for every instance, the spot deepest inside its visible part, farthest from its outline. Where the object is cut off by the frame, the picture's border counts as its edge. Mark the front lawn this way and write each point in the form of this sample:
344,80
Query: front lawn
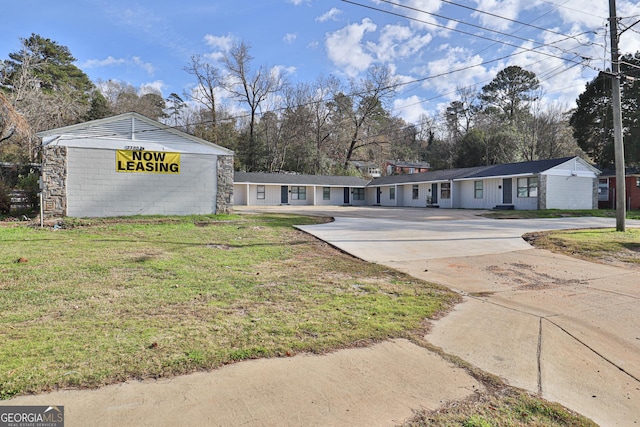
106,300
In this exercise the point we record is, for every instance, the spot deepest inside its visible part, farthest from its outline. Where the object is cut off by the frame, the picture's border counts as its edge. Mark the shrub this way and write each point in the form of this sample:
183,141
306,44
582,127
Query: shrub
5,198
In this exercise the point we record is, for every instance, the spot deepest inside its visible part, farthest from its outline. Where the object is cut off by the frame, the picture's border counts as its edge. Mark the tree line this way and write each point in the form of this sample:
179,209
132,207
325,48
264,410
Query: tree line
318,127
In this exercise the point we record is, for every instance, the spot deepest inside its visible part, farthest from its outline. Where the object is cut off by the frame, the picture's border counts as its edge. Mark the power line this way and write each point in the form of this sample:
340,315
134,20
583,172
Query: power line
466,32
525,24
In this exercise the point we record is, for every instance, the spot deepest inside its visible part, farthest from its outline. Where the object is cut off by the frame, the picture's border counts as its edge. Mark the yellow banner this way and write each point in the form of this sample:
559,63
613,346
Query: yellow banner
147,162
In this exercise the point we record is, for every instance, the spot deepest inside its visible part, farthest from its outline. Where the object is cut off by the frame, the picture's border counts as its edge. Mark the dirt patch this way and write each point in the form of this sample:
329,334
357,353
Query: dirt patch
526,277
219,246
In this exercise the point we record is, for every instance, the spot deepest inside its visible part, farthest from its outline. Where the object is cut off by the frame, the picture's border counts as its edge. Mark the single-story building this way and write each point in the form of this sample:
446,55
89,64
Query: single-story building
401,167
128,165
608,189
272,189
566,183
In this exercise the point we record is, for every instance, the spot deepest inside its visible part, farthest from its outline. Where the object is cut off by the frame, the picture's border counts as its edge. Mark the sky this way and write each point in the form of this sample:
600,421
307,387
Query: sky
434,47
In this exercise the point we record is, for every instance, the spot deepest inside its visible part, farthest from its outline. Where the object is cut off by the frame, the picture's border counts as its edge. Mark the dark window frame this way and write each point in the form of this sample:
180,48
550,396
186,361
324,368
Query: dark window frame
478,189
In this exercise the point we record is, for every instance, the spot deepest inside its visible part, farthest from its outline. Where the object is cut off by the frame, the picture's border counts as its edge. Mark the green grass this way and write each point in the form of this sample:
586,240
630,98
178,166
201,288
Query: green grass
606,245
107,300
505,407
557,213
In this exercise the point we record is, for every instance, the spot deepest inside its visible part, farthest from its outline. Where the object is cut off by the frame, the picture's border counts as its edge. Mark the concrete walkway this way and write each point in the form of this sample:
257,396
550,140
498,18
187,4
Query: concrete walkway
565,328
375,386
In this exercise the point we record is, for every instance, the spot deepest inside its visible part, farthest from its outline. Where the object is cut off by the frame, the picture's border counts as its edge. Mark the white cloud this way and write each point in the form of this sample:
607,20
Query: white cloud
344,47
410,109
222,43
498,8
147,66
280,70
456,69
298,2
398,42
152,87
414,9
110,61
290,38
332,15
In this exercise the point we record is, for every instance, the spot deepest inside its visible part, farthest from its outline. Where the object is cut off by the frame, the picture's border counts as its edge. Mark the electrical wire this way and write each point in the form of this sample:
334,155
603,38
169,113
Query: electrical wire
461,32
524,24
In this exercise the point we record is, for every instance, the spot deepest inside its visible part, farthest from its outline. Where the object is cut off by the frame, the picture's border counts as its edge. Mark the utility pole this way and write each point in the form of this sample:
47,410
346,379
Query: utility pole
621,191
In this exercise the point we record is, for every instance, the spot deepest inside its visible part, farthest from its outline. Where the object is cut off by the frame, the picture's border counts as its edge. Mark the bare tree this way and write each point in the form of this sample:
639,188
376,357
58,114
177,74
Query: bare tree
11,122
124,98
365,106
253,88
209,82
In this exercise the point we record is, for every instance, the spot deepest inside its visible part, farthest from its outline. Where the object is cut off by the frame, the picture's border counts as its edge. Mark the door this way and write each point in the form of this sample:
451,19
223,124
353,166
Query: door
434,194
507,191
284,195
378,191
346,195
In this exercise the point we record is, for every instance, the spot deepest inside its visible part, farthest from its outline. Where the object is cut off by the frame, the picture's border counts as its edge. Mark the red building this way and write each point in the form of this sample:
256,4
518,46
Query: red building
607,189
401,168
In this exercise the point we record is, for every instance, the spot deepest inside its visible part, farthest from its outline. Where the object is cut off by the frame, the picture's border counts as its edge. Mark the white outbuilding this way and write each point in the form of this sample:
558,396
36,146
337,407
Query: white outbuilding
132,165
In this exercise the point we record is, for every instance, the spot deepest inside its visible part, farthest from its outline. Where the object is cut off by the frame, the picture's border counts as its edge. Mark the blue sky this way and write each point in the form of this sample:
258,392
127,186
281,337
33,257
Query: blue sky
148,43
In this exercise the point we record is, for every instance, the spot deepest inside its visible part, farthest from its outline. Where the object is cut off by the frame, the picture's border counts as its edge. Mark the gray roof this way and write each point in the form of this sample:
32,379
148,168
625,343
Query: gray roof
294,179
432,176
510,169
522,168
629,171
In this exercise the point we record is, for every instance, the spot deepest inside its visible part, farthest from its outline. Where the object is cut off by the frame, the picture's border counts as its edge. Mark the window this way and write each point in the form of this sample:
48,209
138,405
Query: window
603,189
638,181
528,187
477,190
392,193
260,192
326,193
445,190
298,193
415,192
358,194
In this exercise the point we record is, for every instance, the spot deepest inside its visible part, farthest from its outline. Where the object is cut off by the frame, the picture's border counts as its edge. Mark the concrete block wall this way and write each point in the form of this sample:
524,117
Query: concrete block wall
95,189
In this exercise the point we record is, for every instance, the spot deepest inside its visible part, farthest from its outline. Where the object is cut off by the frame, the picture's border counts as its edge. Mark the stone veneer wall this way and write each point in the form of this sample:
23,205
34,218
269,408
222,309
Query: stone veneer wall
54,180
542,192
595,193
224,199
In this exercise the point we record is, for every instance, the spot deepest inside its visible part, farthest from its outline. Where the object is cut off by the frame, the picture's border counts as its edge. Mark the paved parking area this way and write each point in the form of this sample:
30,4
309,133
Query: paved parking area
565,328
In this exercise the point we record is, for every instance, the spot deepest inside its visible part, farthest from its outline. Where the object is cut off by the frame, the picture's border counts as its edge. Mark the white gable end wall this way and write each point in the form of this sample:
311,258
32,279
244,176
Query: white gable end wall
569,192
95,189
570,185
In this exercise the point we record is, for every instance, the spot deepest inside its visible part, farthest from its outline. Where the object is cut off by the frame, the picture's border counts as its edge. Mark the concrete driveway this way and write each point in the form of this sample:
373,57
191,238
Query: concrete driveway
564,328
